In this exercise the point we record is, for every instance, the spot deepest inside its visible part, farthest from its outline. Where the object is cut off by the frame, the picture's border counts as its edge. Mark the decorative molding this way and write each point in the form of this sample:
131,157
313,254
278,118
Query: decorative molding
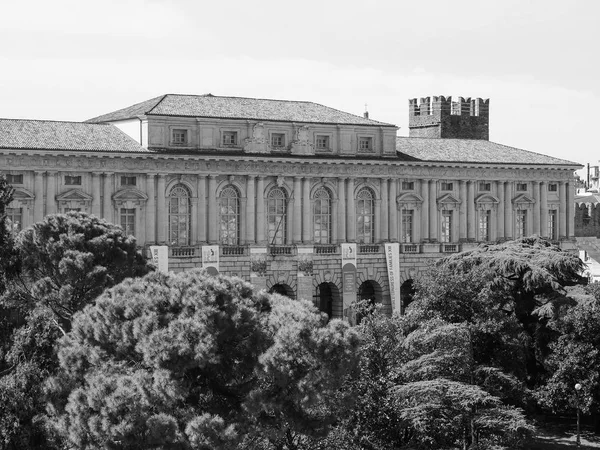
409,200
448,201
129,198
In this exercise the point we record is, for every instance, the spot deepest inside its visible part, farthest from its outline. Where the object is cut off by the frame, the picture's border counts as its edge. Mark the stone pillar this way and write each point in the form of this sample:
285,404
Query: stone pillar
260,211
562,211
193,220
508,211
462,212
471,229
376,231
38,202
351,215
306,213
342,210
393,210
425,211
51,194
150,209
383,214
250,209
213,219
433,212
570,210
544,209
334,220
162,215
536,208
297,216
95,193
417,217
107,205
202,237
500,212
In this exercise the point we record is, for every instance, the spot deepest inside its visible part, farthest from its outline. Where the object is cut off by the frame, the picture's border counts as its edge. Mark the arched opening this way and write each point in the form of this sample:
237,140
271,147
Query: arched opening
282,289
407,292
371,291
327,299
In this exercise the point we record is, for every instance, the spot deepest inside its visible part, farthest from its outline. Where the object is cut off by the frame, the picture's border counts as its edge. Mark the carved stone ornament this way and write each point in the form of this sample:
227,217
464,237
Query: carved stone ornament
301,145
258,143
280,181
409,200
522,202
22,198
485,202
129,198
447,202
74,199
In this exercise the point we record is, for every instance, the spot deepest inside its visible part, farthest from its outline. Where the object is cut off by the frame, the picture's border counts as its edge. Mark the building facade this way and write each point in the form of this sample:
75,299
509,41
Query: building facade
284,194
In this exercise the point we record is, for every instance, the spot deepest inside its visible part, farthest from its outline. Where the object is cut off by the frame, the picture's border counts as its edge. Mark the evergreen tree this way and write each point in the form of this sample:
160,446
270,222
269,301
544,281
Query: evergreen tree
192,361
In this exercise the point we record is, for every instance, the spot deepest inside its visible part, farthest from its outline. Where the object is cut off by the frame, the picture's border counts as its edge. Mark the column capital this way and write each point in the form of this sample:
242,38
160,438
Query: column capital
39,173
97,174
108,174
162,175
150,175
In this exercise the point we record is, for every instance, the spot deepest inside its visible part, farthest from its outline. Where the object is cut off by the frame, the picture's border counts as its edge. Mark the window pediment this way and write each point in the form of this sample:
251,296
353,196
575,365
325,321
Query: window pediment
22,198
74,195
523,199
129,198
486,201
448,201
409,200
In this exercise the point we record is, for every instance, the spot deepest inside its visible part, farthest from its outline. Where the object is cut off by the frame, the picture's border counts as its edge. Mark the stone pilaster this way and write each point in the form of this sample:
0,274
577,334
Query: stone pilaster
562,210
213,229
342,210
536,208
351,231
393,211
433,212
162,215
471,216
51,193
500,211
151,209
202,219
544,209
250,209
260,211
462,211
96,204
306,213
383,214
38,202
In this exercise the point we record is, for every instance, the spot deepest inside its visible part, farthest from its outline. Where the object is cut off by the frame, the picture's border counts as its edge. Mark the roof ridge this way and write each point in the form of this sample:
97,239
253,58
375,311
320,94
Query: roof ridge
248,98
54,121
155,105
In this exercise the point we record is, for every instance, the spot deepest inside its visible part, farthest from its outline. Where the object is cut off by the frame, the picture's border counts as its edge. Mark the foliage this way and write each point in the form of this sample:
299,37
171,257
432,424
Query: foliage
6,195
258,265
575,358
509,291
59,265
65,261
187,360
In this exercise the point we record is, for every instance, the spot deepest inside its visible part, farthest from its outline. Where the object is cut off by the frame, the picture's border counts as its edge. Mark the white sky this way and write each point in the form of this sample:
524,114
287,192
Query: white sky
537,60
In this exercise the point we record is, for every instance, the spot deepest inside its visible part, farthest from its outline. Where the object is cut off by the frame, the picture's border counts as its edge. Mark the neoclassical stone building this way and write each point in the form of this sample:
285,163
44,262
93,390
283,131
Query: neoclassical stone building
284,194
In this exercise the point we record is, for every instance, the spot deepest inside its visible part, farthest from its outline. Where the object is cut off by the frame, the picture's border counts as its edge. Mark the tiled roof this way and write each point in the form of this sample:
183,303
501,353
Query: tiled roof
471,151
212,106
50,135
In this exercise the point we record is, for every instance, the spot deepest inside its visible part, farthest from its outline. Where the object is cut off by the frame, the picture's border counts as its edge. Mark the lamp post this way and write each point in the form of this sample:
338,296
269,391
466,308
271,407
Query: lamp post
577,389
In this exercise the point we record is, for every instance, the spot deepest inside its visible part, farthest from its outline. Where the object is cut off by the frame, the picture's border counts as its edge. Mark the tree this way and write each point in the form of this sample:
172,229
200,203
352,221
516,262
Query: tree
6,195
58,266
509,290
192,361
575,358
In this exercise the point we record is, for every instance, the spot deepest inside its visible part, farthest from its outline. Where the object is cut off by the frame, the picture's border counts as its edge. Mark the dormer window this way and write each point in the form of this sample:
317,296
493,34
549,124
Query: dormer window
322,142
229,138
14,179
180,137
277,140
365,144
71,180
128,181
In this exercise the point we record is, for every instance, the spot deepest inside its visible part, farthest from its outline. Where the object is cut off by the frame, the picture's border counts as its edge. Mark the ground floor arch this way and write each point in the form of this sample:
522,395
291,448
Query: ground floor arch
282,289
328,299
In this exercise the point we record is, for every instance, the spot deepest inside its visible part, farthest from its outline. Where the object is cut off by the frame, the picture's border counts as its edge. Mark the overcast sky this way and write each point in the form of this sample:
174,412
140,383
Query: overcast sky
537,61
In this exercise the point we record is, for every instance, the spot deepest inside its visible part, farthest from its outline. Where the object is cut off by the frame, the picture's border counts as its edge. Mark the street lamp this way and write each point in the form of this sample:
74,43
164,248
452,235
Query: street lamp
577,389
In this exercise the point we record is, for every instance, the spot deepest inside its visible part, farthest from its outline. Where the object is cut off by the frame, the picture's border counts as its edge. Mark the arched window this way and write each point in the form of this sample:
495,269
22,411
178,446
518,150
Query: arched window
322,217
365,215
276,216
179,215
229,216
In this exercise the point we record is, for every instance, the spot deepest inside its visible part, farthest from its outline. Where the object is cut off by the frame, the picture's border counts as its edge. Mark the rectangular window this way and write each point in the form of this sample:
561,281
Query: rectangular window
322,142
15,215
485,187
128,181
407,225
446,226
128,221
408,185
365,144
521,187
484,225
179,137
552,187
14,179
552,215
277,140
73,180
521,230
447,186
229,138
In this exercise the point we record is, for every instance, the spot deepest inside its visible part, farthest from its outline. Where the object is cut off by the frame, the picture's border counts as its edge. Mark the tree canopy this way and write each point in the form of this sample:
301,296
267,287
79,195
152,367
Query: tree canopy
193,361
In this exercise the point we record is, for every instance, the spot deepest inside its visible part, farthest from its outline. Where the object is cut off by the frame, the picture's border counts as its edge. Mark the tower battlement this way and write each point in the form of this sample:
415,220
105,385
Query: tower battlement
440,117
